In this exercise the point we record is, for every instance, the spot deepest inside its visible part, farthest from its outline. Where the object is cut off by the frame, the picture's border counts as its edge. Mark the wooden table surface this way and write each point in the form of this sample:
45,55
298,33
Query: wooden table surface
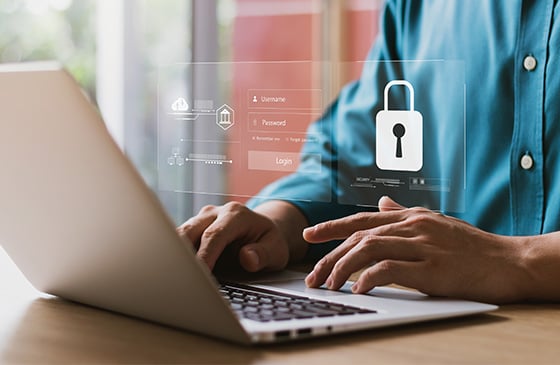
35,328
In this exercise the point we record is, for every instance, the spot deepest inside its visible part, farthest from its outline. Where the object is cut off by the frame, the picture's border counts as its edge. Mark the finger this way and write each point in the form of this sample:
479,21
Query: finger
191,231
344,227
230,225
406,273
267,254
398,229
387,204
323,268
372,249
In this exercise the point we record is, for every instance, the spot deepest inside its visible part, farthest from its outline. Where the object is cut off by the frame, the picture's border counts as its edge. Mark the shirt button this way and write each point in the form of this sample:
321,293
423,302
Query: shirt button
529,63
526,162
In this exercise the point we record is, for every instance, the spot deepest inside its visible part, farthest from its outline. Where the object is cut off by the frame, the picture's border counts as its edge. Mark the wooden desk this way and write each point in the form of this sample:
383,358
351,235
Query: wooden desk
35,328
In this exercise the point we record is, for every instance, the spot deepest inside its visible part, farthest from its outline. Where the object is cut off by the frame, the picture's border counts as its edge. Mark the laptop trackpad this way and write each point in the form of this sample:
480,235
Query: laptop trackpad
299,286
294,281
291,280
285,280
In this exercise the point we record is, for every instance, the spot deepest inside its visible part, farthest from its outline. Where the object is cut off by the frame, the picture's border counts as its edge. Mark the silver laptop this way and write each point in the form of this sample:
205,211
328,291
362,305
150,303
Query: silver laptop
80,223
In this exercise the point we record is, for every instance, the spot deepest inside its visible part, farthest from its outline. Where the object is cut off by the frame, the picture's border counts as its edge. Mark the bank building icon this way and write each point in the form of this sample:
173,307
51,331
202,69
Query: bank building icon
225,117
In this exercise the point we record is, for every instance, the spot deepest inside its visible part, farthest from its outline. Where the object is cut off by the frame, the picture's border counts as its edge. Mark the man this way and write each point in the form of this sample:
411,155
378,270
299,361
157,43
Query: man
505,246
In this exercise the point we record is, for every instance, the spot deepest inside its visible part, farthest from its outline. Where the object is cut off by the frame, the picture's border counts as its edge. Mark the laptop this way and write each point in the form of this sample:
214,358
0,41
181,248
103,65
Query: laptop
81,224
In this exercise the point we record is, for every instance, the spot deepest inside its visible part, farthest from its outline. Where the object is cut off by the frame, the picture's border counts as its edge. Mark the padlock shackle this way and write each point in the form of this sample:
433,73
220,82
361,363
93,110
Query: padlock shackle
398,82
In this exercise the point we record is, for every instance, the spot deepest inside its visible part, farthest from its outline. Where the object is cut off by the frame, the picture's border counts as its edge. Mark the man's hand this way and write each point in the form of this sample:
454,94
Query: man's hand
258,239
421,249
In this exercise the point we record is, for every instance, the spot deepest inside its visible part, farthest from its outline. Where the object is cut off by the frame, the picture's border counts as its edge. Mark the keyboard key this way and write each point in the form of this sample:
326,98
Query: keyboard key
267,306
303,314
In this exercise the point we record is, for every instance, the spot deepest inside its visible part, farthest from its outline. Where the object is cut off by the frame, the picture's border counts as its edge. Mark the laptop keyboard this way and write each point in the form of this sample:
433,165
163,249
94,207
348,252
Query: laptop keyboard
265,306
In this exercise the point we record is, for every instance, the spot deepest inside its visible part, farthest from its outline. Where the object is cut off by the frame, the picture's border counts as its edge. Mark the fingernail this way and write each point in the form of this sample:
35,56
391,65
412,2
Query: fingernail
253,257
329,283
355,287
310,279
308,230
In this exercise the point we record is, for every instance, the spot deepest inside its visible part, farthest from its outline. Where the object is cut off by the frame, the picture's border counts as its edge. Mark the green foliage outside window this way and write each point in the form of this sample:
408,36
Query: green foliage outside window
62,30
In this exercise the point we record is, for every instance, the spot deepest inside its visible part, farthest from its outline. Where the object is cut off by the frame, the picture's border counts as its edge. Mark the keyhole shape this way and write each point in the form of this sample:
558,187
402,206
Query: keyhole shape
398,131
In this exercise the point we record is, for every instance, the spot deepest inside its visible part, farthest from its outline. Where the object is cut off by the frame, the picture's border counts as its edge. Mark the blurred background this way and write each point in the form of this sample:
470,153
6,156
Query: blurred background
115,48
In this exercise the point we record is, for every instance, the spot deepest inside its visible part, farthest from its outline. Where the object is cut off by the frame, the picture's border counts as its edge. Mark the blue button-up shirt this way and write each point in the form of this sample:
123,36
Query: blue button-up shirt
510,51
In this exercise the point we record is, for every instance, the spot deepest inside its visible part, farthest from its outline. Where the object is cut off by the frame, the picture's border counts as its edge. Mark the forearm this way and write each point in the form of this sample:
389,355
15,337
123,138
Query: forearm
541,261
290,221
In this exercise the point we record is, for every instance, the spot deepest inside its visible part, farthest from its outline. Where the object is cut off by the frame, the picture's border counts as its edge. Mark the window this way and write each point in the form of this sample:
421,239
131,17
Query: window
51,29
117,49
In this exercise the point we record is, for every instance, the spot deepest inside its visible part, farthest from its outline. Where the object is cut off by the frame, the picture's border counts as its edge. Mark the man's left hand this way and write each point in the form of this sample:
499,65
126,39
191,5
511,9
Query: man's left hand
418,248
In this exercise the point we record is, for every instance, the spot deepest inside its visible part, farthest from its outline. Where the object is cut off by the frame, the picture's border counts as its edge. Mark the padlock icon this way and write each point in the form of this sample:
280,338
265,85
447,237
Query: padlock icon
399,137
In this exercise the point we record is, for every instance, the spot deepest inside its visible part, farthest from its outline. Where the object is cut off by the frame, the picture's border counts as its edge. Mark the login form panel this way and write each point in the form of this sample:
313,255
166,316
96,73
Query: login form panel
232,128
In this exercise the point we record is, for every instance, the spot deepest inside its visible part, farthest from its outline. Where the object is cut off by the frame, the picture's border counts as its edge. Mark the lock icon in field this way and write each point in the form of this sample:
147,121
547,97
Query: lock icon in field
398,136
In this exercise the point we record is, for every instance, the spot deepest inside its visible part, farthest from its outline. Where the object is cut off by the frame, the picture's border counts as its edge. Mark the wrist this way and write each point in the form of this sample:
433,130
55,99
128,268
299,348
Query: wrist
539,261
524,266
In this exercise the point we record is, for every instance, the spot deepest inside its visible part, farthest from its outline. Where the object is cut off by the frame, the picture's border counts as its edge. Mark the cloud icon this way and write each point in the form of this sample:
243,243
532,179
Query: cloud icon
180,105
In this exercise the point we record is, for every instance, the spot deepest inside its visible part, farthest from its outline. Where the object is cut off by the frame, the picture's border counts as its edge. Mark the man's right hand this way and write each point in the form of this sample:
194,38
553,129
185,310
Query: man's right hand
260,237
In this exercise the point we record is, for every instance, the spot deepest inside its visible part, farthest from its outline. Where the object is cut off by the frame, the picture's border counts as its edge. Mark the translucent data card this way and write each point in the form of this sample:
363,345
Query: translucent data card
401,132
232,128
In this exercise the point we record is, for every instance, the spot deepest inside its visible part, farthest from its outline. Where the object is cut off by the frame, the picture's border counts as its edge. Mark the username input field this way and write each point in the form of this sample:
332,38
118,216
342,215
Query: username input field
294,99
